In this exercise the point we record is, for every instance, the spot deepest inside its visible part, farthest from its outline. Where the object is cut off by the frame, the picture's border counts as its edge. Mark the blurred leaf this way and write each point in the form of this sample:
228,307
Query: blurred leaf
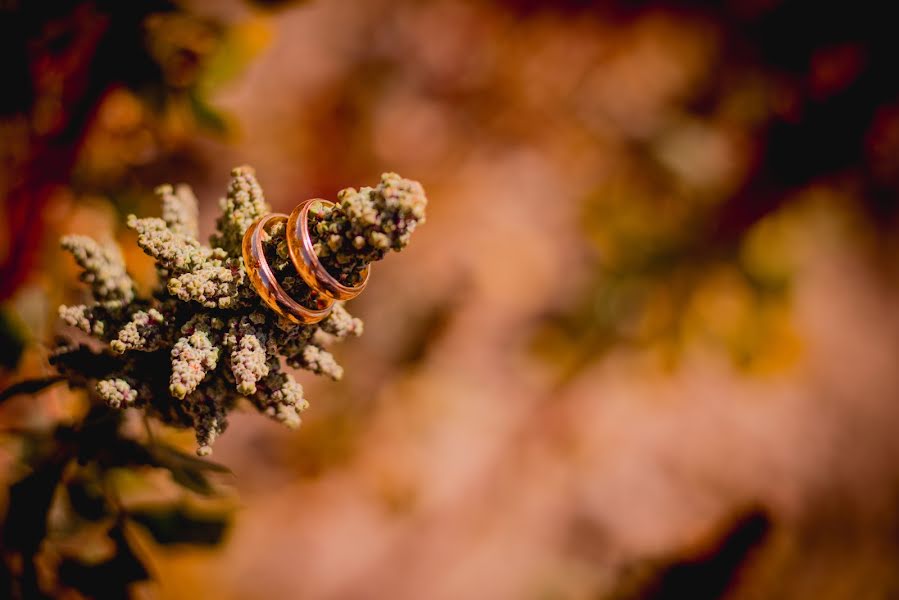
99,439
110,578
193,480
238,46
85,541
207,117
25,525
12,340
169,455
187,470
25,522
179,525
29,386
87,499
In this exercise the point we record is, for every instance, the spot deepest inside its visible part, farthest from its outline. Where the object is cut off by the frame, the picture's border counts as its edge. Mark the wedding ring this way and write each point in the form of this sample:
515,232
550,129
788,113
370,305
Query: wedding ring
302,253
263,279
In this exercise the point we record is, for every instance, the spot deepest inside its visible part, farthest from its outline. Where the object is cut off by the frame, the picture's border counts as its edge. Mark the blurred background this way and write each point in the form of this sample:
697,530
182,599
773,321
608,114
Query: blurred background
644,347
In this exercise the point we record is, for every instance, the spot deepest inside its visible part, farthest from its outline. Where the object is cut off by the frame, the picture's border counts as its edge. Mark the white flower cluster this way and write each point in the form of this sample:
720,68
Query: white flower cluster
204,341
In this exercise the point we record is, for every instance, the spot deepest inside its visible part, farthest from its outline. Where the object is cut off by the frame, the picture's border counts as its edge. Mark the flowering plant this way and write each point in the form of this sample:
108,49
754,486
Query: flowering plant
204,340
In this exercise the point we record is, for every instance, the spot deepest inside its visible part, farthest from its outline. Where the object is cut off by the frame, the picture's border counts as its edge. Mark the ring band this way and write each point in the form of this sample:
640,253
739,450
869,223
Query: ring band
263,279
302,253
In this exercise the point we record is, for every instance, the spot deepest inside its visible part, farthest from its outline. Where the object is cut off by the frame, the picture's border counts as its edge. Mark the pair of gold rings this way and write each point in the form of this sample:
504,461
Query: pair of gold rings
302,254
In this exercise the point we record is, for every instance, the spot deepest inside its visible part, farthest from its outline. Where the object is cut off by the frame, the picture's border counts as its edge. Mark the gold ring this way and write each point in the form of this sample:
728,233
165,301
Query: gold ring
267,286
302,253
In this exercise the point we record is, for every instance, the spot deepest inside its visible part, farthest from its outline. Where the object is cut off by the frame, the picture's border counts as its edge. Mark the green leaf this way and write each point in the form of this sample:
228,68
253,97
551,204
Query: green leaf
179,525
29,386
